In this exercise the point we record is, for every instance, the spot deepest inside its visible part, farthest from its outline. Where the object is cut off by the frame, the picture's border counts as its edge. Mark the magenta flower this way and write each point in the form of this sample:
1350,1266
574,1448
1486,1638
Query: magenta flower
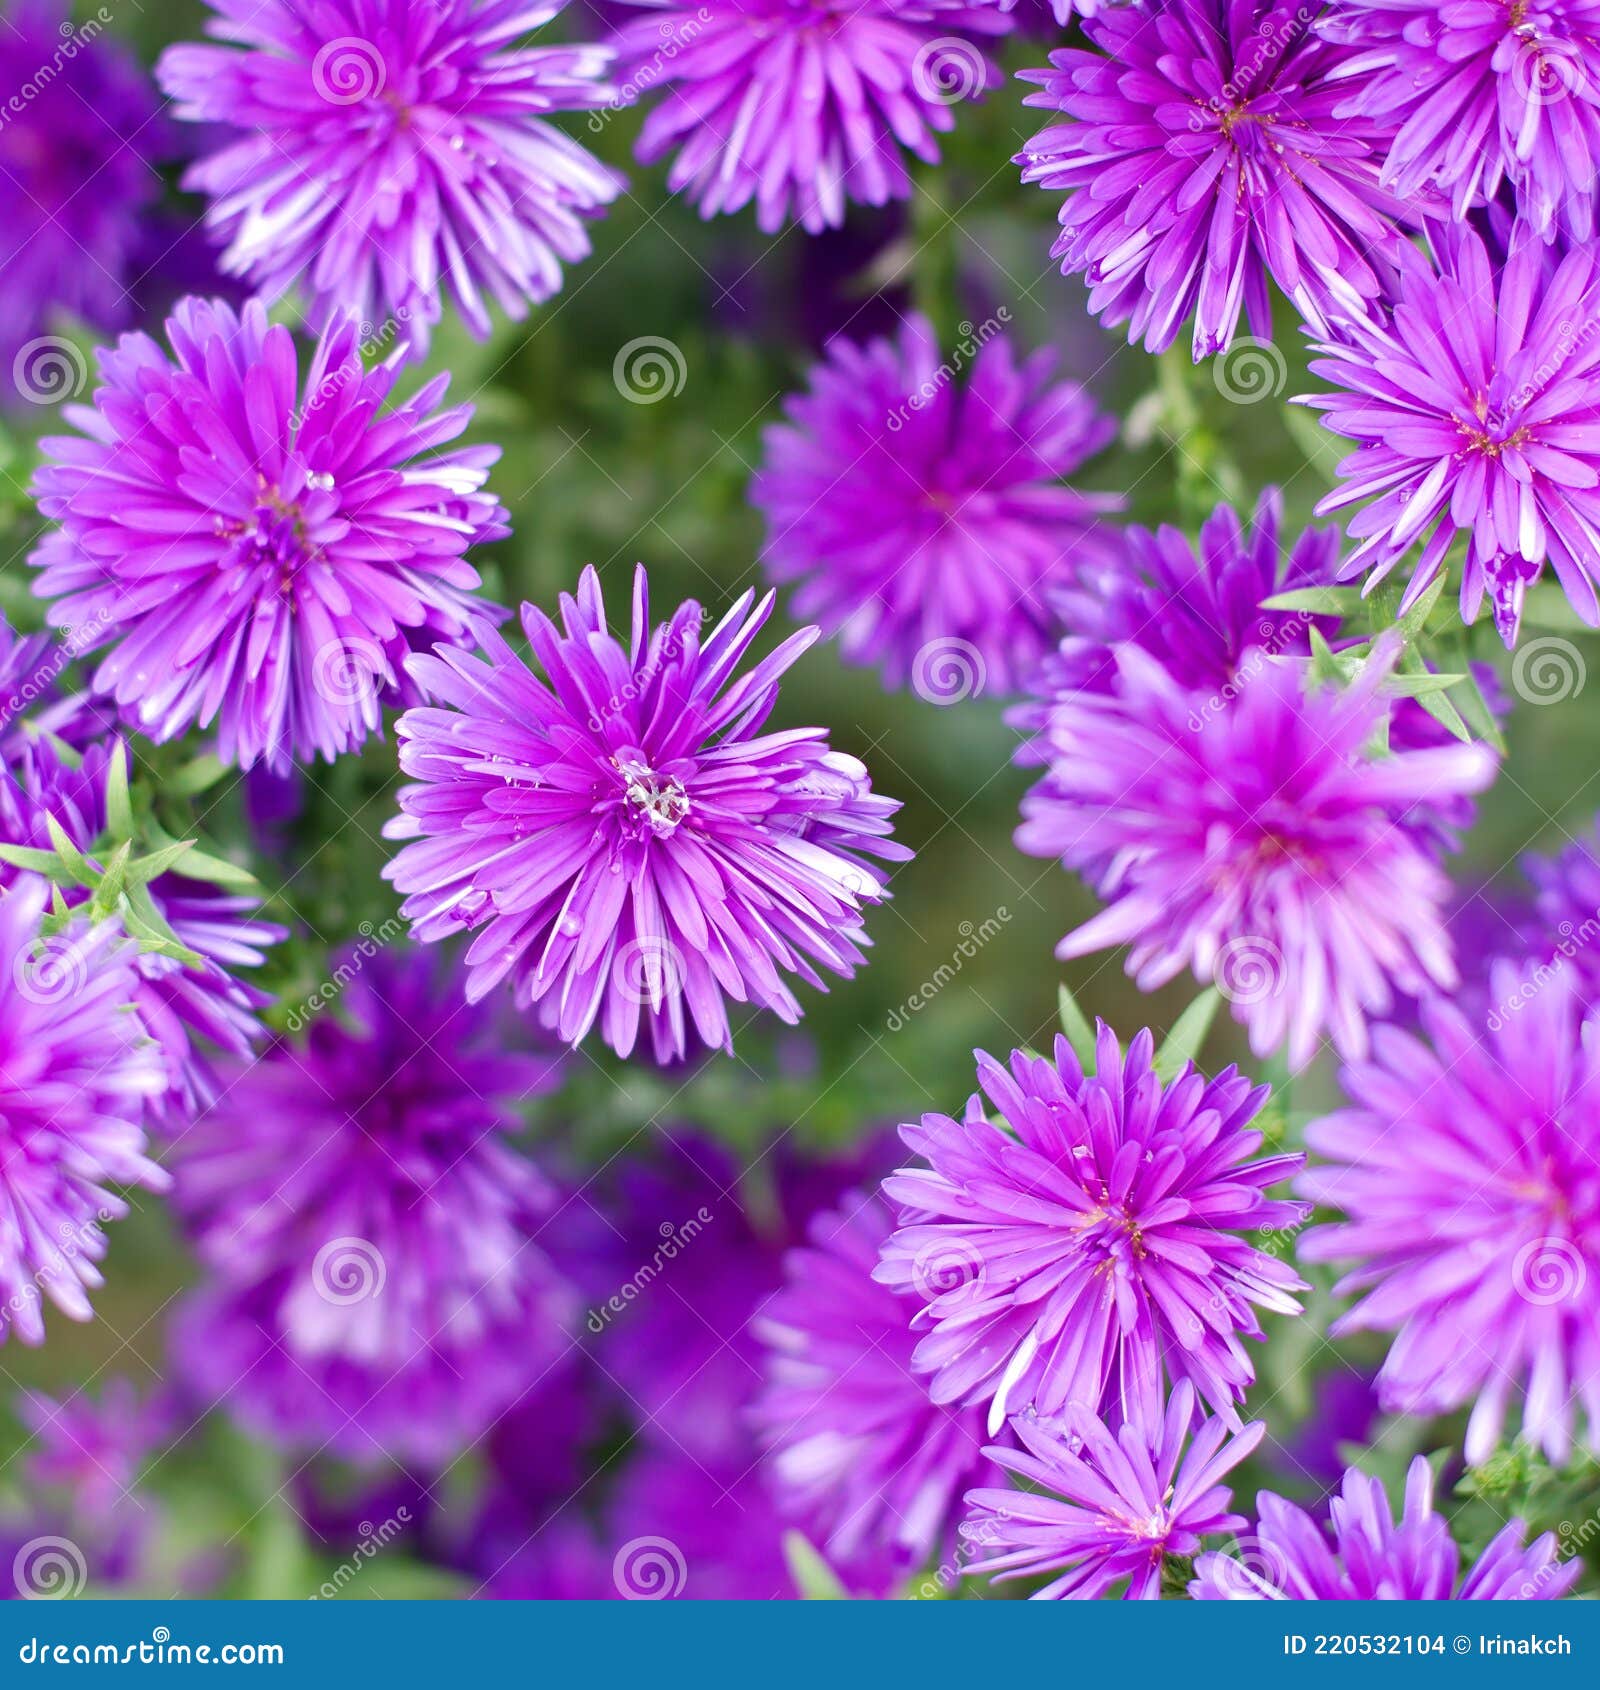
1109,1506
1203,155
1476,95
76,1074
923,512
1374,1558
1092,1244
375,1281
382,154
801,106
261,554
628,840
1256,837
1476,413
872,1470
1468,1172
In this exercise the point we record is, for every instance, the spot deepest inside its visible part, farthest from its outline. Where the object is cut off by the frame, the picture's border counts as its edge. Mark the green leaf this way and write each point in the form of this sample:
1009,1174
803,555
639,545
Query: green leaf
813,1577
25,856
113,880
155,863
1478,716
1320,601
1420,685
202,865
76,866
1188,1033
1075,1024
1416,618
196,777
119,805
1445,713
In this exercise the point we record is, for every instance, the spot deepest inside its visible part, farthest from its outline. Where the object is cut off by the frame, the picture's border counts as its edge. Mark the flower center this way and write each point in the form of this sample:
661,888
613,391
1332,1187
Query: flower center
1490,430
273,536
650,803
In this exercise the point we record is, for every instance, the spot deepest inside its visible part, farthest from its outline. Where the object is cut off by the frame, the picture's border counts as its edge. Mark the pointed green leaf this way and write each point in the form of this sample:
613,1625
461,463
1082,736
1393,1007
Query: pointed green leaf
155,863
196,777
202,865
25,856
1420,685
1478,716
78,867
1319,601
1416,618
1075,1024
119,804
1188,1033
813,1577
1445,713
113,880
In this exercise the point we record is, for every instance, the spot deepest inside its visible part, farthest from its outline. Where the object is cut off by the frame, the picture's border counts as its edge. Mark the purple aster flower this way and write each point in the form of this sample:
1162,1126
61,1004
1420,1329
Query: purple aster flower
626,837
1203,155
384,152
801,105
1468,1172
76,1071
90,1450
1110,1505
923,514
1092,1244
376,1284
871,1468
261,554
1344,1412
1474,95
190,1007
562,1560
78,152
1257,837
1563,928
1474,411
1365,1555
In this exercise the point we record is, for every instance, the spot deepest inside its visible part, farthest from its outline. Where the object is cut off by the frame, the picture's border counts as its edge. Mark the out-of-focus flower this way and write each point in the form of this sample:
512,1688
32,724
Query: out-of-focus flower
76,1074
871,1468
924,513
376,1281
1476,95
1563,928
384,154
1474,409
1109,1506
90,1450
801,106
1468,1172
1202,156
627,839
79,149
1366,1555
261,554
1257,837
1093,1243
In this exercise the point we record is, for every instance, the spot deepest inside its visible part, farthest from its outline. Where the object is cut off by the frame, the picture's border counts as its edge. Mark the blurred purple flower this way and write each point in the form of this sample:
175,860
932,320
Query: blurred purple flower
1373,1558
1468,1172
872,1470
79,148
260,554
1256,836
1092,1244
76,1075
924,515
1110,1505
628,840
384,153
1475,95
375,1285
1476,413
801,106
1203,155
